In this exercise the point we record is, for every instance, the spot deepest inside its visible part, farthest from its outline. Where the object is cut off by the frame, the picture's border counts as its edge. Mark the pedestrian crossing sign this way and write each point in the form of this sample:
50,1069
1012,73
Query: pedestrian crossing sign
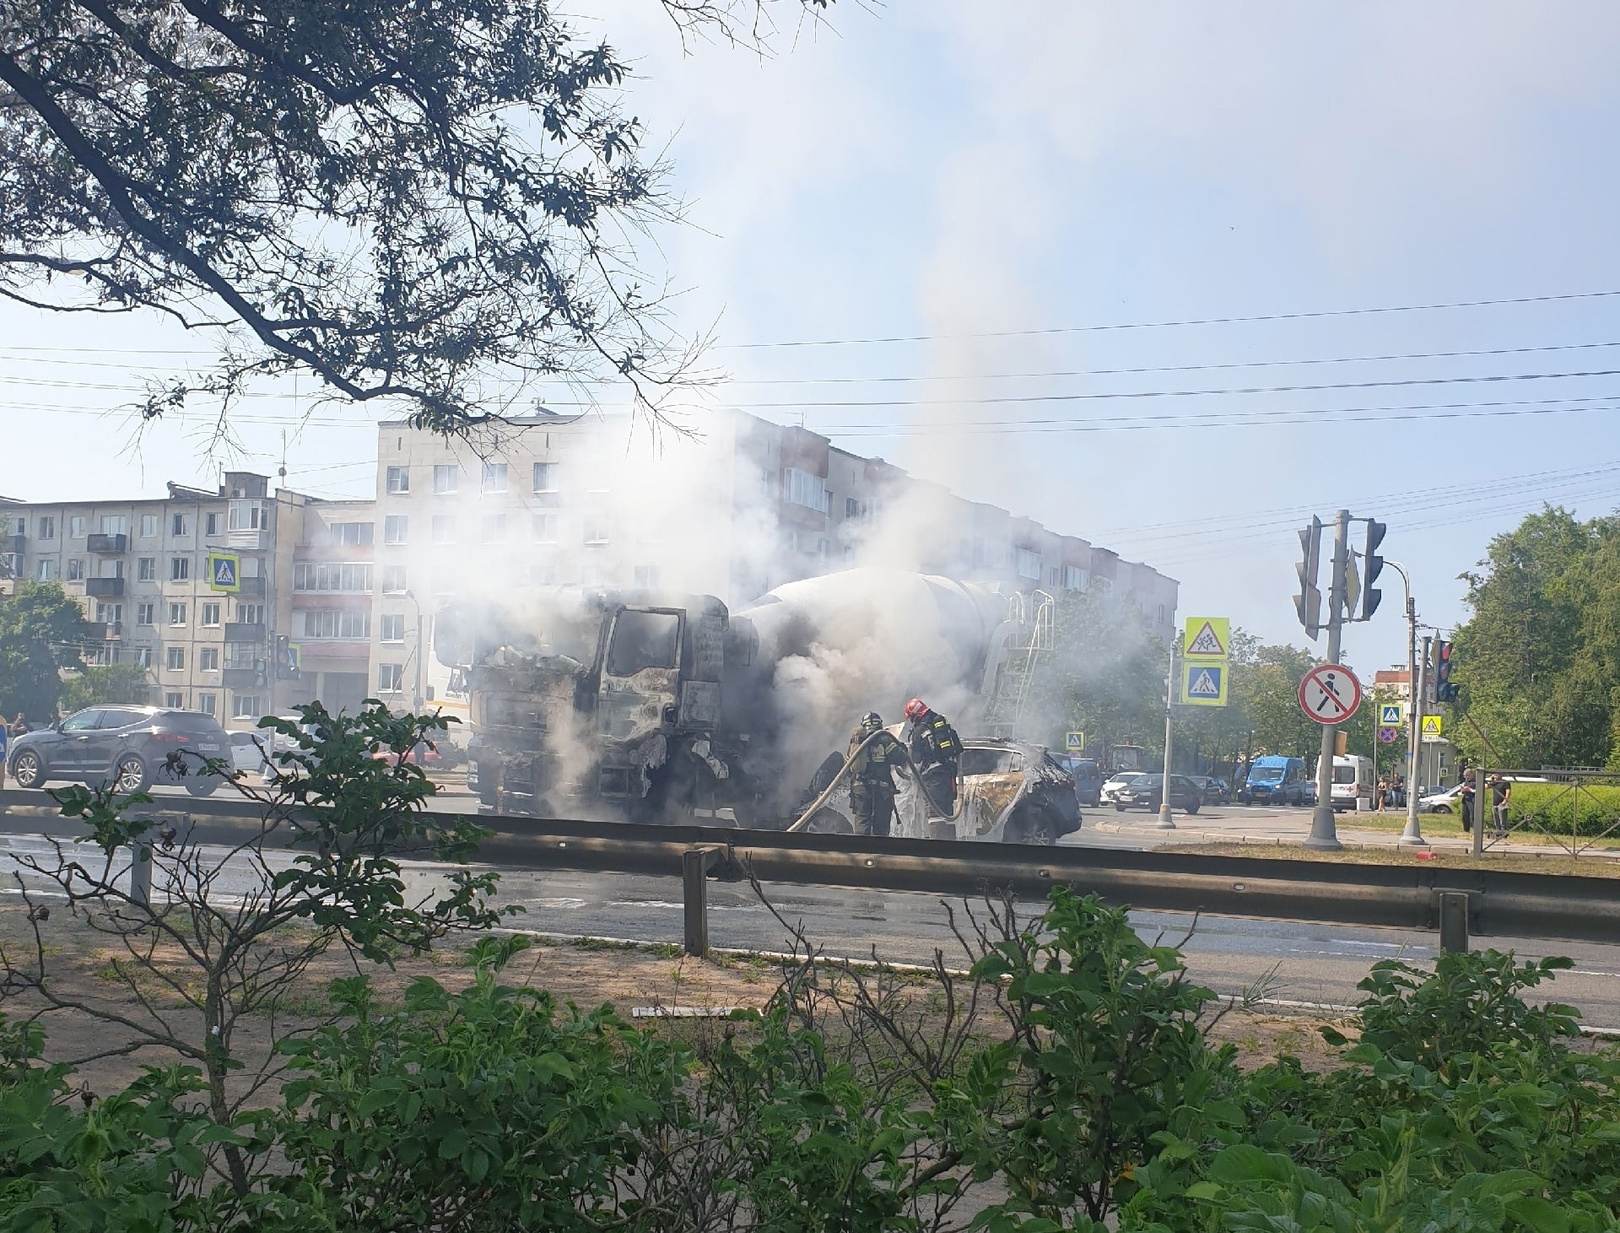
1074,742
1206,637
1203,684
224,572
1432,726
1391,714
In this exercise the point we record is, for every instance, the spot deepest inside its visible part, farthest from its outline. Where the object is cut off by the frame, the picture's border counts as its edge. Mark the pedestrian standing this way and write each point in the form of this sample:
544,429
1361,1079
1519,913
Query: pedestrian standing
4,748
1501,790
19,726
1383,792
1465,801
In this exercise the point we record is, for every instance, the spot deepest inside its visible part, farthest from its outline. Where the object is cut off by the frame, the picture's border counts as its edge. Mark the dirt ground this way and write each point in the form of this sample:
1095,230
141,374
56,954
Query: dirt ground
81,964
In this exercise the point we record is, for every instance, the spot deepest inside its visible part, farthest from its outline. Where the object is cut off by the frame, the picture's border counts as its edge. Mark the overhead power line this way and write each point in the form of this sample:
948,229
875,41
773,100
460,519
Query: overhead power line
1314,314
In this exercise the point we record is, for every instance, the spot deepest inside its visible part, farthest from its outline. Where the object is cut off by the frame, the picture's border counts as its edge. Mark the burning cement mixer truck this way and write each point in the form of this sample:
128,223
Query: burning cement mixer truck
652,708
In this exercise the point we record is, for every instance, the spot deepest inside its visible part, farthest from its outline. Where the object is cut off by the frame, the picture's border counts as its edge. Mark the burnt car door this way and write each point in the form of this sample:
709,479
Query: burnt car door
641,673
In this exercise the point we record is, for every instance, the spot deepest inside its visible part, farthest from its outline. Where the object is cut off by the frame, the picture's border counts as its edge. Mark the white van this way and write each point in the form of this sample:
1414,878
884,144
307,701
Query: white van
1352,780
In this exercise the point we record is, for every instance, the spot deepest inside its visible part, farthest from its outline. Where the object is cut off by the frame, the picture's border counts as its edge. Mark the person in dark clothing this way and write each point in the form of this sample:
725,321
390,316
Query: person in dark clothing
1501,790
871,774
936,751
1466,802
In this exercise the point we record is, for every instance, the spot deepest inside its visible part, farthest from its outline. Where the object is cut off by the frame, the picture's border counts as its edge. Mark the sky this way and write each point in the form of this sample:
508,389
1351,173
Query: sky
1170,276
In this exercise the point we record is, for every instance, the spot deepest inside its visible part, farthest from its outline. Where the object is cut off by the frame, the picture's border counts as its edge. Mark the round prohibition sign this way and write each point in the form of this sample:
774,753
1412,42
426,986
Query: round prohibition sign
1330,693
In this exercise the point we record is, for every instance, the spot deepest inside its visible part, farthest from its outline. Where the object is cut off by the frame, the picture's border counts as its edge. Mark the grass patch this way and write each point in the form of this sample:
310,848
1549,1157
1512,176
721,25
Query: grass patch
1509,862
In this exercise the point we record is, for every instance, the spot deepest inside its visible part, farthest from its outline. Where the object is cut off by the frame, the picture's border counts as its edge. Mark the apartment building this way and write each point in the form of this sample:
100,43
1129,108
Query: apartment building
755,505
206,590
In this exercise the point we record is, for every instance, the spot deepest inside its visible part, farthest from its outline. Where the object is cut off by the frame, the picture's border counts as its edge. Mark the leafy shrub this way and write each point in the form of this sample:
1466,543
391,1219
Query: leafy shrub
1552,807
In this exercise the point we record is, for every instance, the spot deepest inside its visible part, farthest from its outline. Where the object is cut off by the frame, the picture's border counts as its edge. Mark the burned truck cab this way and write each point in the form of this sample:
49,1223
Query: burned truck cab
593,704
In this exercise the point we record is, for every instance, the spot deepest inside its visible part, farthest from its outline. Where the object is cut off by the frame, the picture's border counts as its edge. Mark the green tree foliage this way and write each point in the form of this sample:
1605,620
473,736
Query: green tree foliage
42,630
1539,659
417,202
106,683
1105,675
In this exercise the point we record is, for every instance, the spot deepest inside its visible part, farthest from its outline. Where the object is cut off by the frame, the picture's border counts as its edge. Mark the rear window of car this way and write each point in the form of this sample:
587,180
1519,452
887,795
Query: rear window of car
990,761
241,738
116,717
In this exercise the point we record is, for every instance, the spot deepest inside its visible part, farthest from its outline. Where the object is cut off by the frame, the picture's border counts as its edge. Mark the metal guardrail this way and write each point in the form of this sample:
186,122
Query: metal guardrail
1454,901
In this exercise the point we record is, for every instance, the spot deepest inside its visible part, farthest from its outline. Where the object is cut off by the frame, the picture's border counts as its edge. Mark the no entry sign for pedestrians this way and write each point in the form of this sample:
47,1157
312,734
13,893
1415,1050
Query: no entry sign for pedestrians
1329,693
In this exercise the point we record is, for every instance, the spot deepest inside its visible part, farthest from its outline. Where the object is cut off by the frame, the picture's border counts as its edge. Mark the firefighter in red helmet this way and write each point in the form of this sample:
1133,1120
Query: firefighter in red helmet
936,751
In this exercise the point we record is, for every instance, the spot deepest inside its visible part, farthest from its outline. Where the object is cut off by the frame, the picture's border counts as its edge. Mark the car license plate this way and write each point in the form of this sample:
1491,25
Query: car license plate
209,748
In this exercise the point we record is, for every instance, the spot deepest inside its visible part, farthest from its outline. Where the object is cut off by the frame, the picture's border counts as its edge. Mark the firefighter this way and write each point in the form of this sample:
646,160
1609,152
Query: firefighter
935,751
871,775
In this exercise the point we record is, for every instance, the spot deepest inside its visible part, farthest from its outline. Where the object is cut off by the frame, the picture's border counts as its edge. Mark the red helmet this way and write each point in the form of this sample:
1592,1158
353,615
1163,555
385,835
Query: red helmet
916,708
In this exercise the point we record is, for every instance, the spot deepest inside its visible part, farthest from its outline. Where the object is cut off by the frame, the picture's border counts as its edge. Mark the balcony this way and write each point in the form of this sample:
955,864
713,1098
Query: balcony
250,588
108,545
12,543
242,678
95,631
241,631
103,588
112,630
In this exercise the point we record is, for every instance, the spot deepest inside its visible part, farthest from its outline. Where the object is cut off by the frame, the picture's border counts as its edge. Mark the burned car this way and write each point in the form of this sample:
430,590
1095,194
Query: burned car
1011,792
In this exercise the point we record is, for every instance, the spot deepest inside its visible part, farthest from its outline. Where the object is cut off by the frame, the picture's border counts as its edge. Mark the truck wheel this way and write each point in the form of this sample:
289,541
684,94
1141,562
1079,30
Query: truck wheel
827,821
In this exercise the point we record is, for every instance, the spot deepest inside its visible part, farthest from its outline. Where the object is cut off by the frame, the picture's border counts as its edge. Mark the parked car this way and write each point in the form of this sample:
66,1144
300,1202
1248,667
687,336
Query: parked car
1109,793
1216,791
247,751
126,747
1147,791
1442,802
1353,780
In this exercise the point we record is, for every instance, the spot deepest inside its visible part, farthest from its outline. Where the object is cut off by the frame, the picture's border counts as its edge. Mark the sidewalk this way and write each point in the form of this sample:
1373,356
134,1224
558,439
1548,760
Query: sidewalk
1235,824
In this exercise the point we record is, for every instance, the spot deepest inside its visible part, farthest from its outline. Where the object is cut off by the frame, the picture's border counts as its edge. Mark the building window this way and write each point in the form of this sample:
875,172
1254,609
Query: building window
114,524
543,527
391,628
1074,578
174,658
354,534
210,614
149,526
242,655
143,656
545,477
174,701
802,488
596,529
179,569
76,527
47,527
395,528
75,570
494,477
247,516
1164,614
210,524
1027,564
250,614
354,577
444,529
336,623
493,529
208,658
109,614
445,478
145,614
390,678
177,614
246,706
852,508
47,570
207,704
393,579
179,525
146,569
399,480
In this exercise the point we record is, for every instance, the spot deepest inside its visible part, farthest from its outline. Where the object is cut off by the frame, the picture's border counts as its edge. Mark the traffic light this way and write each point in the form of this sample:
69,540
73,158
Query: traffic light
1308,603
1444,689
1372,566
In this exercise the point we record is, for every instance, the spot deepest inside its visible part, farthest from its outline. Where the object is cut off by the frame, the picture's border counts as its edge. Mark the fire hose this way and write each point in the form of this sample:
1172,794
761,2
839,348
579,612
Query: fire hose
821,800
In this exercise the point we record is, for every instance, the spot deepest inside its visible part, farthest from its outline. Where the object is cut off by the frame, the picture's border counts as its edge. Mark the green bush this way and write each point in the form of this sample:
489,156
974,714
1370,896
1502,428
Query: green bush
1069,1086
1552,807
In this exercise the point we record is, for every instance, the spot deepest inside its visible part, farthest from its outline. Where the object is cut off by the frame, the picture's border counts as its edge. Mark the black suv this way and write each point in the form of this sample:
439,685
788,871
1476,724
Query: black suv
127,747
1147,792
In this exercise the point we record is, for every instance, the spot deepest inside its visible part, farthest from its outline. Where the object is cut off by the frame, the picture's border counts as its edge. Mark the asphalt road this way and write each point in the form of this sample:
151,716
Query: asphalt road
1296,961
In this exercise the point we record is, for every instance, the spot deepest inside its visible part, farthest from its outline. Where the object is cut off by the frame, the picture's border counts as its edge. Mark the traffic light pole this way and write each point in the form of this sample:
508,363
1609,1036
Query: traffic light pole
1324,832
1412,836
1166,821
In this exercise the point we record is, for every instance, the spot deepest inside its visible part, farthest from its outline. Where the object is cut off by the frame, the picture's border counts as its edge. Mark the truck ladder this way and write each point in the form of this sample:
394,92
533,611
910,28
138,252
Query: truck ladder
1016,674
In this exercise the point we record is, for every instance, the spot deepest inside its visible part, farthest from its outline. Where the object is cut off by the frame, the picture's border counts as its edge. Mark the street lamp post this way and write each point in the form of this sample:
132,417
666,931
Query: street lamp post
1412,836
416,653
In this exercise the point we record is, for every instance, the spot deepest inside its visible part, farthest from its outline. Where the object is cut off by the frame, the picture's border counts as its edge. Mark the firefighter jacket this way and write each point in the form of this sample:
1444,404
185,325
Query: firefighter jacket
872,767
934,743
